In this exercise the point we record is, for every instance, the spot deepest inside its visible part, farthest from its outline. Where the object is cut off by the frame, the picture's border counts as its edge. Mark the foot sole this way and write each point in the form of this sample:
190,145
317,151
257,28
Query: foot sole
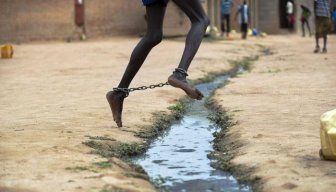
190,91
116,105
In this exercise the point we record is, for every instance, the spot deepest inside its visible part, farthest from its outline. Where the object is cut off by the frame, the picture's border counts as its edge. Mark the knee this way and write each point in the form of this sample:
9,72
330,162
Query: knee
204,21
154,39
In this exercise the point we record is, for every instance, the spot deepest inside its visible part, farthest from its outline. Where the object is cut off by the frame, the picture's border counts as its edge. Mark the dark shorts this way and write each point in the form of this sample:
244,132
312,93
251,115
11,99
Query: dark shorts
323,25
152,2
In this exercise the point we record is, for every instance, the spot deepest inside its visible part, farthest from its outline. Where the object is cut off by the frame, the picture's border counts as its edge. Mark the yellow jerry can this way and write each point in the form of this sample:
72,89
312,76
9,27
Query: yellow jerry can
7,51
328,135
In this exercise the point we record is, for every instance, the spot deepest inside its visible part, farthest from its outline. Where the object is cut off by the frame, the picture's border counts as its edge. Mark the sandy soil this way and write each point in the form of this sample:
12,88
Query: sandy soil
52,96
277,108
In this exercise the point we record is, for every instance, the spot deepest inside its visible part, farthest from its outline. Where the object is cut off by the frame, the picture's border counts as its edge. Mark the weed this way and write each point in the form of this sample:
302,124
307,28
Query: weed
100,138
120,150
80,168
245,64
103,164
163,120
109,188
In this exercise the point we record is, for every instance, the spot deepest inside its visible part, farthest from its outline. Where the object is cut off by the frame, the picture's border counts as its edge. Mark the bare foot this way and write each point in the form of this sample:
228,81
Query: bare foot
116,100
180,81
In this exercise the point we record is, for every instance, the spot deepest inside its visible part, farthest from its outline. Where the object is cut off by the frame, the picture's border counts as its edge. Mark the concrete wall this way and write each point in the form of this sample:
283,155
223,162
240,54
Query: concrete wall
30,20
268,16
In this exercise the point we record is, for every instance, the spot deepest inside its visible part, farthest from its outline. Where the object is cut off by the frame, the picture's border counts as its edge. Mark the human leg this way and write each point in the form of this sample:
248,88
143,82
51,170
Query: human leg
228,25
303,28
317,34
222,24
308,27
199,20
317,46
325,39
244,30
155,14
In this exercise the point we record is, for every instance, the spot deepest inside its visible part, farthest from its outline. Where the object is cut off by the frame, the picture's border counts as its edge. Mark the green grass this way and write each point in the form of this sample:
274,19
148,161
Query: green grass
103,164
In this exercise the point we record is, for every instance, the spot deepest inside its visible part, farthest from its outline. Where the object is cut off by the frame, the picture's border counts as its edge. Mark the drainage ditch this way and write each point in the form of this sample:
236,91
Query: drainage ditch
177,161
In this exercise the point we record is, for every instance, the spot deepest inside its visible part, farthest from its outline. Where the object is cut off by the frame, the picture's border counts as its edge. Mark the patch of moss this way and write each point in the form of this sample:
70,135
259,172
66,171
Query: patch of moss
80,168
245,64
206,79
163,120
120,150
110,188
100,138
103,164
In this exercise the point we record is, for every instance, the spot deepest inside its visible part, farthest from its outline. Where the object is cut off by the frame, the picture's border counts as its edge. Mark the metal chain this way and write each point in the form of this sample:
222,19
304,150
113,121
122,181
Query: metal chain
128,90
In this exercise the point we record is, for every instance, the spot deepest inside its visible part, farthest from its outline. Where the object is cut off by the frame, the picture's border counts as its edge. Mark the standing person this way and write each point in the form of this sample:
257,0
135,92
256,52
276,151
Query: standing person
226,6
244,13
322,23
305,15
333,18
290,14
155,11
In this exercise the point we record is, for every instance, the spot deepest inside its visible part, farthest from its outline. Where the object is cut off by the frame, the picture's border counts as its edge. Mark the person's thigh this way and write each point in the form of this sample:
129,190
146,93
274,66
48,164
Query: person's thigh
155,15
192,8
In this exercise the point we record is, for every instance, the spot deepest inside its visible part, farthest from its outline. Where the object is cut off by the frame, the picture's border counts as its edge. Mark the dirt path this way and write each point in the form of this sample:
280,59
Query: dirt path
277,108
52,98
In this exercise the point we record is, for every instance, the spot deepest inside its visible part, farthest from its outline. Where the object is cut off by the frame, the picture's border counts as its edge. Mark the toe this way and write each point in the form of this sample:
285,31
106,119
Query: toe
199,94
119,124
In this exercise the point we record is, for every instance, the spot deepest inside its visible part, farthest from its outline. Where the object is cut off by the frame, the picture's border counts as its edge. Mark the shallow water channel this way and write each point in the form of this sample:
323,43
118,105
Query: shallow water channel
179,158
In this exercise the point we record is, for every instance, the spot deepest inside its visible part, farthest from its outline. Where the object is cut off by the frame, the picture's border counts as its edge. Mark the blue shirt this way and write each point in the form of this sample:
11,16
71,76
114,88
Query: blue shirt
333,16
226,6
244,13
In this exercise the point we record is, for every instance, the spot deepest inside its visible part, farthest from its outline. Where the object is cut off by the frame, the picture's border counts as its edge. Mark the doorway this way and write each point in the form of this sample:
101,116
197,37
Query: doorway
283,15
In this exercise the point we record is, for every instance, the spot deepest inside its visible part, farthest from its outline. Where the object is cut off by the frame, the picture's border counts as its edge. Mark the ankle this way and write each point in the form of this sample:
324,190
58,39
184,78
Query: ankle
180,74
121,92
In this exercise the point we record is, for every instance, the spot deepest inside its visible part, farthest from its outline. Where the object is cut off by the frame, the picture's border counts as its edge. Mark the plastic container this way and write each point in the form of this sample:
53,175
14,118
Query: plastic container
328,135
7,51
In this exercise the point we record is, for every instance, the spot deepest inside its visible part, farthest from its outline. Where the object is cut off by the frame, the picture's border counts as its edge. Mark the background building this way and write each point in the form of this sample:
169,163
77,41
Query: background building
30,20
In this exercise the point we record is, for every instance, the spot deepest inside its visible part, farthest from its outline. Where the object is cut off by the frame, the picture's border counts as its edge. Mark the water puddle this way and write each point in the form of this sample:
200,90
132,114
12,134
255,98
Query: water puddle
179,158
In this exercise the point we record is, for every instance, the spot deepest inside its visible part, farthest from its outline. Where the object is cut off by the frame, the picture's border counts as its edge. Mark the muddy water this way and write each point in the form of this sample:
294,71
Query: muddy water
178,160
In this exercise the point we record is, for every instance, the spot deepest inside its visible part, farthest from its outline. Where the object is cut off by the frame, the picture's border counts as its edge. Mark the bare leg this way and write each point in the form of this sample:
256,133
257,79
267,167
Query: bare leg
308,26
228,24
194,10
155,14
317,48
222,25
325,39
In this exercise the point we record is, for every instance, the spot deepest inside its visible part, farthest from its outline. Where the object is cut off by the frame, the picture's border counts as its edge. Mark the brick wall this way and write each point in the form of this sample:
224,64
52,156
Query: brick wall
268,16
30,20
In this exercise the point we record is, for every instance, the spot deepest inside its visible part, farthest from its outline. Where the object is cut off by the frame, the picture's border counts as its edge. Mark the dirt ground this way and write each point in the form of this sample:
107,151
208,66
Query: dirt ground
52,98
277,107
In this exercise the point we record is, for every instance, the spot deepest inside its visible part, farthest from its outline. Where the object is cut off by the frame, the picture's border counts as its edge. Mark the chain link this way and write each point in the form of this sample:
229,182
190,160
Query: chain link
142,88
